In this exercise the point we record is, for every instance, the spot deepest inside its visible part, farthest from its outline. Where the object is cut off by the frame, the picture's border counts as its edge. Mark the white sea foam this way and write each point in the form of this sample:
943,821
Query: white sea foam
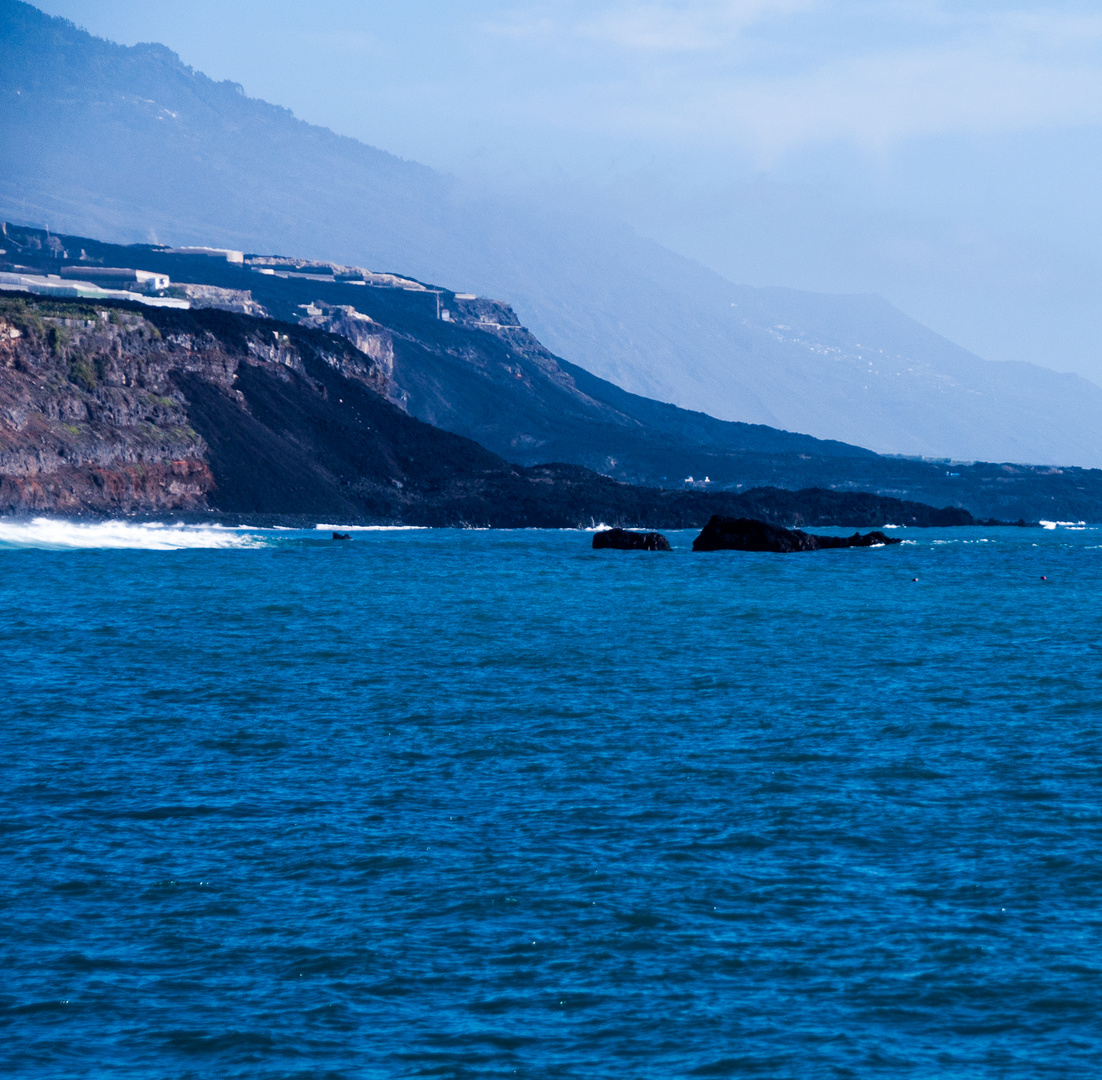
150,536
1063,524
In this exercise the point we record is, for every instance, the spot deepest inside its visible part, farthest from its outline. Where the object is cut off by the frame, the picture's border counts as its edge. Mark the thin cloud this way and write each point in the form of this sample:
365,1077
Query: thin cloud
879,100
645,27
676,74
682,28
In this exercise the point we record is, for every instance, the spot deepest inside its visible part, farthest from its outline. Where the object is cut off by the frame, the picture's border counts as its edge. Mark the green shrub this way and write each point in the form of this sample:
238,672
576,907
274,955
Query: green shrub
83,374
24,317
57,337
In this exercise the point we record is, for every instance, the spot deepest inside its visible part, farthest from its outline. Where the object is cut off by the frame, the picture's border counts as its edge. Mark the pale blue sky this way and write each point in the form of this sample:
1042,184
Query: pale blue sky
946,155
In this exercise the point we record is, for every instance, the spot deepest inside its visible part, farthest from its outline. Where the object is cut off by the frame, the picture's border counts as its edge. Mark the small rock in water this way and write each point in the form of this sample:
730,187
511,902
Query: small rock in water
624,540
342,536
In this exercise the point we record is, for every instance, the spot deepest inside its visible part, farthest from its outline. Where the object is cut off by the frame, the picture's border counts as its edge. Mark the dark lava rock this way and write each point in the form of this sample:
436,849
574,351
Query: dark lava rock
746,534
623,540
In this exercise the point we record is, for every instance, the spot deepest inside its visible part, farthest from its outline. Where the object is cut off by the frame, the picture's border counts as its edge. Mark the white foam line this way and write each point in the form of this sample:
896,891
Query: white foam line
369,528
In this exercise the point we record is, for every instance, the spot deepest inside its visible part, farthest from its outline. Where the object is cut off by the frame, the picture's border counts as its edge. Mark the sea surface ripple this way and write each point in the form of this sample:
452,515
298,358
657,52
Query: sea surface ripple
492,804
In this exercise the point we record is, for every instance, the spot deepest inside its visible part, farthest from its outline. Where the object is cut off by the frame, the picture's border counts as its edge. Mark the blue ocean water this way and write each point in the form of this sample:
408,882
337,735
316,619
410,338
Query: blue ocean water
491,804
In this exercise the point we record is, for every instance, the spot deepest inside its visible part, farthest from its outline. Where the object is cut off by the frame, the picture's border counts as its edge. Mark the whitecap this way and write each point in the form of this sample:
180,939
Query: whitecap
62,534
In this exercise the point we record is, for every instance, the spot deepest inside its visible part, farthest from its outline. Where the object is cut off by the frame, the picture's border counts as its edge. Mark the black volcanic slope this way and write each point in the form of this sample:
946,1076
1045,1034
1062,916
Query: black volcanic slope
324,445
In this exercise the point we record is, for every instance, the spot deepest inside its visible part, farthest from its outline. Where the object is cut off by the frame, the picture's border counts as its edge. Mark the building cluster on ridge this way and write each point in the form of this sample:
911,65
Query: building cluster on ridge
85,280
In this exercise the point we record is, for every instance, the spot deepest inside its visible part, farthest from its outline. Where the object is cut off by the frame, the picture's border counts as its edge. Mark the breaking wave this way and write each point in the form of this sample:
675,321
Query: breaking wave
148,536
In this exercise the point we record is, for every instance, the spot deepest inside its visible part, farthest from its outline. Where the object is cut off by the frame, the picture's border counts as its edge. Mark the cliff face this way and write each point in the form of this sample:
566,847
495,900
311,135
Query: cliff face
89,418
114,408
92,411
369,337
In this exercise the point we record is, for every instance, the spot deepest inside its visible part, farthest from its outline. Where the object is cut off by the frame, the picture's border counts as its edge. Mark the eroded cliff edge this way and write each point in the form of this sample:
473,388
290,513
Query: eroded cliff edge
94,414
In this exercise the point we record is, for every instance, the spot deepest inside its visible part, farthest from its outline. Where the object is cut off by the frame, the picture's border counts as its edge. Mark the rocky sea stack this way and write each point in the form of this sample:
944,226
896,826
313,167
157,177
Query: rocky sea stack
625,540
746,534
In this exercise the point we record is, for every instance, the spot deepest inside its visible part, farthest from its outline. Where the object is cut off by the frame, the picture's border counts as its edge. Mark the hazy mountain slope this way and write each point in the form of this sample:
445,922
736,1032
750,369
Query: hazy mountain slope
132,145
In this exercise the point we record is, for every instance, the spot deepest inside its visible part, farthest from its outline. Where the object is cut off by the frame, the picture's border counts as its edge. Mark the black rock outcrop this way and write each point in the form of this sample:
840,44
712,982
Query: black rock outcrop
747,534
625,540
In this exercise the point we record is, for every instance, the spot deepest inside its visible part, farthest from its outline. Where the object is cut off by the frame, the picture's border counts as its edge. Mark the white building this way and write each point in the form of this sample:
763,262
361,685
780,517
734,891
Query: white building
214,253
118,276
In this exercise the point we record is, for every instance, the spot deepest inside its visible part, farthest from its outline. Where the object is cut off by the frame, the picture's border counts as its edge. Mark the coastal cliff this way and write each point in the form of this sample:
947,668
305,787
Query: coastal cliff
93,414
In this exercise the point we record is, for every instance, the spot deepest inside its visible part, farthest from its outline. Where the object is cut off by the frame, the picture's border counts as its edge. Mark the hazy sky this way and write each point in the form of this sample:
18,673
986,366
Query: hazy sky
946,155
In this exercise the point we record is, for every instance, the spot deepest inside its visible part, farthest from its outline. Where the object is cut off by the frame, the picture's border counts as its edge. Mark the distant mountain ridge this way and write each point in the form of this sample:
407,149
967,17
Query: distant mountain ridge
130,144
